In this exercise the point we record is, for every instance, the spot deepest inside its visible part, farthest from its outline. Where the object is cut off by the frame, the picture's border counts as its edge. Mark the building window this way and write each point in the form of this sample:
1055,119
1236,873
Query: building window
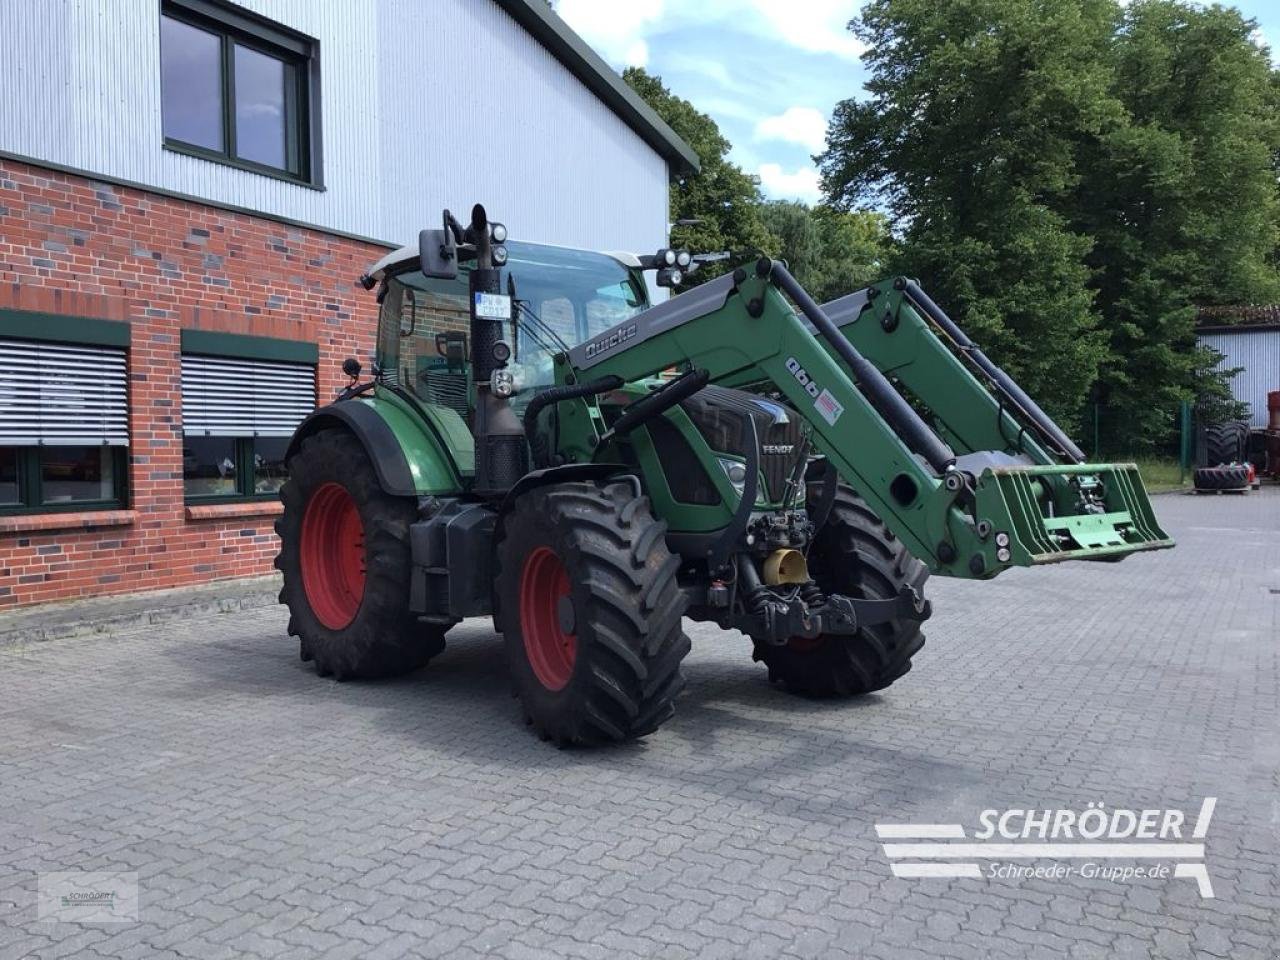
63,423
238,415
238,89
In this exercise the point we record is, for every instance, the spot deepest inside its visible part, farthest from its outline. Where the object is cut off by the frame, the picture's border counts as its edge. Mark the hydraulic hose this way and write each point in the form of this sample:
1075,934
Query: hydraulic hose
646,408
567,392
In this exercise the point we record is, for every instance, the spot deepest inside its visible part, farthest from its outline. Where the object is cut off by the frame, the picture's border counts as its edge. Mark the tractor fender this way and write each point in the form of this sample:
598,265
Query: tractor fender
368,421
562,474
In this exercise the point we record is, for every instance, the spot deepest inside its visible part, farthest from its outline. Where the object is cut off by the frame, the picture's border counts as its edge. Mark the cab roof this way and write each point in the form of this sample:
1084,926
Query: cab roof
406,258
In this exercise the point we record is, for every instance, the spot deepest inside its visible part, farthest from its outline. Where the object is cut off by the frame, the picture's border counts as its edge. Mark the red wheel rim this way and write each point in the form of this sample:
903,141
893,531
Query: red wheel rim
804,644
544,596
332,556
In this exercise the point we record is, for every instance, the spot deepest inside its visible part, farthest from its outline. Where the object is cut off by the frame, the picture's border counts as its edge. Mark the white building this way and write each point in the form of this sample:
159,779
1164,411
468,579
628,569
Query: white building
388,111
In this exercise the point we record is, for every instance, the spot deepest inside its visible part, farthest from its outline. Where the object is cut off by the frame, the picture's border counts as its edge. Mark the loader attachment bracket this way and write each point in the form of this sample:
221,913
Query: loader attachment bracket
1068,512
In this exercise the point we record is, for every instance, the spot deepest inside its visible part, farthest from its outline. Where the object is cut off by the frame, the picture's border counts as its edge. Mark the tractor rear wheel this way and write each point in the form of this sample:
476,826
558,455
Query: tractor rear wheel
344,553
854,555
590,612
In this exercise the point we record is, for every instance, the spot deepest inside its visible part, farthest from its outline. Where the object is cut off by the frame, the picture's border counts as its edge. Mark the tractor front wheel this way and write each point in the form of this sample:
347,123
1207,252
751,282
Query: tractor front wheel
590,612
854,555
345,556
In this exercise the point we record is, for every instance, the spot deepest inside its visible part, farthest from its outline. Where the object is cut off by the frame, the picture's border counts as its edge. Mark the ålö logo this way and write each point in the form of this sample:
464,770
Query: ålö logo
1164,842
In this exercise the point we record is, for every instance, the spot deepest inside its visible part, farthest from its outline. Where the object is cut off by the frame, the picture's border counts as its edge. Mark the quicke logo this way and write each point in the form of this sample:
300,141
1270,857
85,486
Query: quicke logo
610,340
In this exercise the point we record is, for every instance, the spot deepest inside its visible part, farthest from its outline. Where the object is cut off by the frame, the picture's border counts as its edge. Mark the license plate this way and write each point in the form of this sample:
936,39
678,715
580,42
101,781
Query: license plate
493,306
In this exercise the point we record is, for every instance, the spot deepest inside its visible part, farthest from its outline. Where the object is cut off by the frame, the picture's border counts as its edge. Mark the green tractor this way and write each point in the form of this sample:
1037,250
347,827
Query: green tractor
540,444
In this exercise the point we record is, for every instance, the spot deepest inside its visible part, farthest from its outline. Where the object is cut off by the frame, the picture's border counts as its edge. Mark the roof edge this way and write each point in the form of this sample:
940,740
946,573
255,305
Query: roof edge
545,26
1238,328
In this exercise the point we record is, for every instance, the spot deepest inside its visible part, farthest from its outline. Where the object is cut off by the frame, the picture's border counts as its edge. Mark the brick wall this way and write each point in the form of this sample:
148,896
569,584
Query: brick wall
74,246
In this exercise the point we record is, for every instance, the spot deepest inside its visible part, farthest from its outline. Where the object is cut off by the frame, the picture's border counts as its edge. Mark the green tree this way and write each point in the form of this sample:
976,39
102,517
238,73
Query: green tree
856,250
831,252
969,138
723,199
1072,177
1182,204
799,241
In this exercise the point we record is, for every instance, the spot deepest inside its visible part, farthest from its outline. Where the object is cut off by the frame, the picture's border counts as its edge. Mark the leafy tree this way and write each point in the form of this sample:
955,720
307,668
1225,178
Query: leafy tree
800,242
856,249
831,252
1072,176
1181,201
721,197
969,138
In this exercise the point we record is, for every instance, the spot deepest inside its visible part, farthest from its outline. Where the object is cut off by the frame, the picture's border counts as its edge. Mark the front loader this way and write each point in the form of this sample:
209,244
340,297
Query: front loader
540,444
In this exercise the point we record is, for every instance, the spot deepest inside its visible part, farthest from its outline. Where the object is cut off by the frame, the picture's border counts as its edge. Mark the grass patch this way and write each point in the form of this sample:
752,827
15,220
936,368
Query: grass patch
1161,474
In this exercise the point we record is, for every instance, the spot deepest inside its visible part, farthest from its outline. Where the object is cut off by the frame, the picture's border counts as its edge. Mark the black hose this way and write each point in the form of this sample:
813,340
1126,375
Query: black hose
728,539
567,392
646,408
915,433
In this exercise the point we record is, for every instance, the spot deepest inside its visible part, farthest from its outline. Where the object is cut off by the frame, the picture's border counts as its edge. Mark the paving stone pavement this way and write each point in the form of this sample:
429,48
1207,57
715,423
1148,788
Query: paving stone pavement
270,813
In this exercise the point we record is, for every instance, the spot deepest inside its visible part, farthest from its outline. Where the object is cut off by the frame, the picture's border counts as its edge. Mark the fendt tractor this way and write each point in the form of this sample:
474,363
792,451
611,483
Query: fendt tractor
540,444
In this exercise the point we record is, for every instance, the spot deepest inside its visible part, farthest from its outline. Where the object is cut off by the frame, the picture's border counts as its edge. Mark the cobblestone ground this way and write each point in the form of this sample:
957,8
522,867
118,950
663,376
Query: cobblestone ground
267,812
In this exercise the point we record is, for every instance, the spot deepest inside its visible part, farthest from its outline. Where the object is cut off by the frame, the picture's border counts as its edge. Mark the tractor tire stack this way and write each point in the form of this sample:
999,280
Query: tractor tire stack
1226,443
1233,478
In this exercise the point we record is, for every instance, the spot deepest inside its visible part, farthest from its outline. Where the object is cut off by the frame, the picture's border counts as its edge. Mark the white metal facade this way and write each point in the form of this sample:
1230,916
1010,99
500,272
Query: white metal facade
1258,352
403,131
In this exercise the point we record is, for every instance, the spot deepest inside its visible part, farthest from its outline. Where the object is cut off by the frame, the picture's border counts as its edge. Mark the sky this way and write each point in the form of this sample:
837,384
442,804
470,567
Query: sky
768,72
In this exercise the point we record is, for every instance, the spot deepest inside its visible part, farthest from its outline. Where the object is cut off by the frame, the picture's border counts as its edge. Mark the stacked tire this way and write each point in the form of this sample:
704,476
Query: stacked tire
1225,479
1226,443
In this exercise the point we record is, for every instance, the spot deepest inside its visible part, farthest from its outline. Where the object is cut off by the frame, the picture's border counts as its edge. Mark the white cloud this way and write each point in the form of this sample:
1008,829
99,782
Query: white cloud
800,184
819,26
616,31
803,125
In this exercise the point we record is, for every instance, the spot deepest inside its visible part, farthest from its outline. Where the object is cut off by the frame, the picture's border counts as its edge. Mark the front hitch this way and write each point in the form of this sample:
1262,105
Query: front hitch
776,620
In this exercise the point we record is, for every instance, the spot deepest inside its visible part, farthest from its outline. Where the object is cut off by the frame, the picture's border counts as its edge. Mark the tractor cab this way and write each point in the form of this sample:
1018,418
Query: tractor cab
559,298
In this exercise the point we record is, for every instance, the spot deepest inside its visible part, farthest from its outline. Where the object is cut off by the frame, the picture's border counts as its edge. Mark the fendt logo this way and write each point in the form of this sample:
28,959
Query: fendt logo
801,375
779,449
609,341
1096,835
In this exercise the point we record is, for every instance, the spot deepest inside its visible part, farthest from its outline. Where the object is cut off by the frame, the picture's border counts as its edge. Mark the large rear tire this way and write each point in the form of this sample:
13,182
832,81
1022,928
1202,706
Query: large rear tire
590,612
1226,442
345,557
854,555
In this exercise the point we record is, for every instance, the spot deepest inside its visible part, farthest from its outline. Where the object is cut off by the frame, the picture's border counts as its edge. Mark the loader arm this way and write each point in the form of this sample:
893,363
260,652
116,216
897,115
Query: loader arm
967,523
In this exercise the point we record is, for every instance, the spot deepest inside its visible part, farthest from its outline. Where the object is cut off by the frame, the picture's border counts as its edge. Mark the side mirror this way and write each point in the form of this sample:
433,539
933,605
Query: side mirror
438,254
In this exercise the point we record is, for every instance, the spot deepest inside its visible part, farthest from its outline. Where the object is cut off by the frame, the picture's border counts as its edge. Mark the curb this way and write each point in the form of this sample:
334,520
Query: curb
83,618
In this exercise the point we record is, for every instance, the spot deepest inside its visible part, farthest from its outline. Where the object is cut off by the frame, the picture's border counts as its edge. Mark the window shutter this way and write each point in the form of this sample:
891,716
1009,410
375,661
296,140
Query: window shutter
62,394
229,397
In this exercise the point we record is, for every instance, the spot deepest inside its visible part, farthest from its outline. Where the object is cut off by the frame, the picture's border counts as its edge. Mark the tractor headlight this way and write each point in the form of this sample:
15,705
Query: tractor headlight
665,258
498,255
498,232
670,277
502,383
736,471
683,259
